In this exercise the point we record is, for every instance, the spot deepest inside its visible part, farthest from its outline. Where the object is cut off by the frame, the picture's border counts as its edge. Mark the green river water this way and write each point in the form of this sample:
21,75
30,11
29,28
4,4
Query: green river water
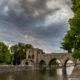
55,74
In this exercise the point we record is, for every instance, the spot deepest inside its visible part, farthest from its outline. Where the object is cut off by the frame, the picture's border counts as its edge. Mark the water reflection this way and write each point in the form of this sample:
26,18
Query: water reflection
55,74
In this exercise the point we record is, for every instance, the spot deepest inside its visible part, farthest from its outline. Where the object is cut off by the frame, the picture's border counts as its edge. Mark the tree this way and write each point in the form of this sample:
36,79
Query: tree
76,54
28,46
19,51
71,41
68,42
5,56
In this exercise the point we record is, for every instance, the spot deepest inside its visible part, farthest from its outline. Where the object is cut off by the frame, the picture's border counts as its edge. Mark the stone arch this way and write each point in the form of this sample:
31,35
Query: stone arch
30,62
33,56
29,56
66,61
26,63
23,62
42,64
53,60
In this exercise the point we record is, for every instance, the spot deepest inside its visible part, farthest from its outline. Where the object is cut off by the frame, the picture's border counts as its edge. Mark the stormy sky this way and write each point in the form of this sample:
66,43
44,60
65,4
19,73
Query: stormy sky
42,23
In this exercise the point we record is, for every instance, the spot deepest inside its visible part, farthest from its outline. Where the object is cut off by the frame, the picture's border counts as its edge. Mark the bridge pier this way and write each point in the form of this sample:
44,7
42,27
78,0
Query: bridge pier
35,66
47,68
64,68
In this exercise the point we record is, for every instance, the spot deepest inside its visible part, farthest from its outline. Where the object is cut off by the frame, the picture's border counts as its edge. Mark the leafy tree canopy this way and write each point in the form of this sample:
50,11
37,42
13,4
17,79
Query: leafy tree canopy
19,51
5,56
71,41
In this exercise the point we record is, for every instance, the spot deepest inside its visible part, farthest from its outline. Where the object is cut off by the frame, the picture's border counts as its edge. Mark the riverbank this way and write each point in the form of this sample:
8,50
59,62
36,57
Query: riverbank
75,74
18,68
9,68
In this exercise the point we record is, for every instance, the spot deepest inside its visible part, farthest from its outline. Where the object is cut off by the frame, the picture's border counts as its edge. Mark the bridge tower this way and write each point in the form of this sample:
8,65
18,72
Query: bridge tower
32,57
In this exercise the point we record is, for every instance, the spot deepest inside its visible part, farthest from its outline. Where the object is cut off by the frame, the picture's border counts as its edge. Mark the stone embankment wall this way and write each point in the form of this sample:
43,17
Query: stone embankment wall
14,68
75,74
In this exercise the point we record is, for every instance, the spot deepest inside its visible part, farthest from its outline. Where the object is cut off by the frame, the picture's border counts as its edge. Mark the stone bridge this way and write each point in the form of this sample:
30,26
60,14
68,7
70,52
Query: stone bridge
35,58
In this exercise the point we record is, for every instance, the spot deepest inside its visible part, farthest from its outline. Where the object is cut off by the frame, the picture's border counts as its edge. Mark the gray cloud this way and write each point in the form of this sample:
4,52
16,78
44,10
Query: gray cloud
47,32
24,11
42,22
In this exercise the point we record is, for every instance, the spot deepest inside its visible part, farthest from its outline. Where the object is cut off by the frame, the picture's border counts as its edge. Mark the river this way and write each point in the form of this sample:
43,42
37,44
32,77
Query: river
55,74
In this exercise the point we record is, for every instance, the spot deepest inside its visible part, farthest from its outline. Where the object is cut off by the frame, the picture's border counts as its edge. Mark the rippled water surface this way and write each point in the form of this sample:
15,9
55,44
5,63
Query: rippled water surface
55,74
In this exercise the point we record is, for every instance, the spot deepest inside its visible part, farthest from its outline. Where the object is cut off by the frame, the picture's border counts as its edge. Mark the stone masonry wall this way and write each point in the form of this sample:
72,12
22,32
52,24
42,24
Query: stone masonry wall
13,68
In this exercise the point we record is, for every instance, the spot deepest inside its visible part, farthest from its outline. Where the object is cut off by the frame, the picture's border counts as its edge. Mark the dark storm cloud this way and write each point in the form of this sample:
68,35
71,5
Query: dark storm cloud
51,31
34,21
25,12
30,13
37,9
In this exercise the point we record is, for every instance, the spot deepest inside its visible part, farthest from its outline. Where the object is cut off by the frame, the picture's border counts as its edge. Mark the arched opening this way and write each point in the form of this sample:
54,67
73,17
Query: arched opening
29,56
55,63
69,66
32,56
30,63
27,63
42,64
68,63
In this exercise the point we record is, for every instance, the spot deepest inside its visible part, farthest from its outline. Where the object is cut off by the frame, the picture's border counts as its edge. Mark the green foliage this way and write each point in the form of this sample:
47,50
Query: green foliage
19,51
76,6
68,42
5,56
71,41
76,53
28,46
43,52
